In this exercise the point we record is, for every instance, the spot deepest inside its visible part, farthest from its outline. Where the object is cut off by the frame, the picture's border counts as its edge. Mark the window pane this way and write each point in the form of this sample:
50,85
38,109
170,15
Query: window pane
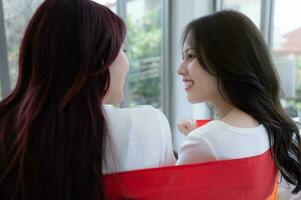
144,52
143,20
251,8
112,4
287,51
16,16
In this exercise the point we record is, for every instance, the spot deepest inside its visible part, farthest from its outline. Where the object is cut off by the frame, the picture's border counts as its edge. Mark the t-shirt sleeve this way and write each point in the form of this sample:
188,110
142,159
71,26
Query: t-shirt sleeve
195,149
168,157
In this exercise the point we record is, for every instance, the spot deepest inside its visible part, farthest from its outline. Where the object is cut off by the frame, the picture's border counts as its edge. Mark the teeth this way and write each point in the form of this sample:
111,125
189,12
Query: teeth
188,84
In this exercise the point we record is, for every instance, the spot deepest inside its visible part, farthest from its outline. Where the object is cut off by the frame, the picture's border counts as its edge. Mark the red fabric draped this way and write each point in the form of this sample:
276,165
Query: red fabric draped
253,178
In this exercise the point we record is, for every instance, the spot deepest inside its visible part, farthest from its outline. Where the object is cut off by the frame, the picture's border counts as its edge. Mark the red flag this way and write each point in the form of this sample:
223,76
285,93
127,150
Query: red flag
202,122
253,178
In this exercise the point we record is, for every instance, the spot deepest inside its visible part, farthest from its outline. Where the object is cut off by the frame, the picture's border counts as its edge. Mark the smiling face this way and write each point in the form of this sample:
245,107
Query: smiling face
199,84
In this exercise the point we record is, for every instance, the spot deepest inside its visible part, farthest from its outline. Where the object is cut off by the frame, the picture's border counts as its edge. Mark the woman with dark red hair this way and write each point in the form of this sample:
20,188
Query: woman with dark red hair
56,136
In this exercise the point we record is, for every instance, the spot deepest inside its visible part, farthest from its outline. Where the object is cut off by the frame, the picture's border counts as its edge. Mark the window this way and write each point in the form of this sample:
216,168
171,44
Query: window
4,77
251,8
144,21
16,16
287,51
144,39
112,4
144,43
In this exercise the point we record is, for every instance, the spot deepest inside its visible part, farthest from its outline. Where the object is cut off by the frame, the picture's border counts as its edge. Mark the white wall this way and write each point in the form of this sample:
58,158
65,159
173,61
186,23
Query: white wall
182,13
286,68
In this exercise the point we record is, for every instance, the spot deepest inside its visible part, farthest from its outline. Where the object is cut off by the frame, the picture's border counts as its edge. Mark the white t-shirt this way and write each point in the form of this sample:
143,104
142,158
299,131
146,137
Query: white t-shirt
138,138
219,141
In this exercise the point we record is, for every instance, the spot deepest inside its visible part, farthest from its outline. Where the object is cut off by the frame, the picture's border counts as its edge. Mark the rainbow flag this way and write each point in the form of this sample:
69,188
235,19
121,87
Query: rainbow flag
253,178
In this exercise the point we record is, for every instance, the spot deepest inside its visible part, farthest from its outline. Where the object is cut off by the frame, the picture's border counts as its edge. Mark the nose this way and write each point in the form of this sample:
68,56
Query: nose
182,70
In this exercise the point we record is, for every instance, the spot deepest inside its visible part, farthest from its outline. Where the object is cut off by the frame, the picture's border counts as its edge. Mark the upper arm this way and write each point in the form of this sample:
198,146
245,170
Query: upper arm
195,150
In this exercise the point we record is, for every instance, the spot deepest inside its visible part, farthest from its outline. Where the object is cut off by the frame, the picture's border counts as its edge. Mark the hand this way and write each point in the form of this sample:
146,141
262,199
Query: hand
186,126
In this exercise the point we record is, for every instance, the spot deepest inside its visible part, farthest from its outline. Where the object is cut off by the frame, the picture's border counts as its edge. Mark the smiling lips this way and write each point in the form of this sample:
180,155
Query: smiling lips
188,84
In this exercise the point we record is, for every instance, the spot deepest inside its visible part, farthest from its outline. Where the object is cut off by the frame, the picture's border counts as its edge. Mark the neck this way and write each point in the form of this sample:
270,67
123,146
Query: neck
222,108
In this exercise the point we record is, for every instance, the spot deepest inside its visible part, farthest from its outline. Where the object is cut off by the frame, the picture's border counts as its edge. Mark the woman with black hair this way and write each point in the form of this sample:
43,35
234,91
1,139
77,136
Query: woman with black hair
227,64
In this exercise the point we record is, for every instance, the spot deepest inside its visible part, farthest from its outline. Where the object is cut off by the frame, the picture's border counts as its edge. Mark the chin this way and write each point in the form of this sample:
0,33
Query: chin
194,100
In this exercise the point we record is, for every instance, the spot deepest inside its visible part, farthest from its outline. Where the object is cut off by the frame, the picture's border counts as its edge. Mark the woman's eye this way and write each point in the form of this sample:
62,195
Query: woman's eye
125,50
190,56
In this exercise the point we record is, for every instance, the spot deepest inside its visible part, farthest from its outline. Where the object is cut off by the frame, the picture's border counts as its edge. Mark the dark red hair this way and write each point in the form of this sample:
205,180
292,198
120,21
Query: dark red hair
52,127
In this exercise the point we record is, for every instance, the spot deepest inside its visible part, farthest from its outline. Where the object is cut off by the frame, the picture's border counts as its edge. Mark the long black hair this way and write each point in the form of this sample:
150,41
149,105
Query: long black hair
229,46
52,127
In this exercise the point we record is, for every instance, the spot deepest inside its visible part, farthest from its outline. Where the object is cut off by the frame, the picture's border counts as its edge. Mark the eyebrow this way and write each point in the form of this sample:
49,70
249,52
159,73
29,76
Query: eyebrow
187,50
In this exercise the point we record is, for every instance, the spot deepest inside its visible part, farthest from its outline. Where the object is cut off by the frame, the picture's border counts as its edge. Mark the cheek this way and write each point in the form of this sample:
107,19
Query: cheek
123,65
211,87
116,81
206,85
125,70
119,68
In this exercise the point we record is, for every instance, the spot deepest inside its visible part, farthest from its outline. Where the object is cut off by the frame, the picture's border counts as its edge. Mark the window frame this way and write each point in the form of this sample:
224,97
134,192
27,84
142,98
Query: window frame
165,55
266,18
4,68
